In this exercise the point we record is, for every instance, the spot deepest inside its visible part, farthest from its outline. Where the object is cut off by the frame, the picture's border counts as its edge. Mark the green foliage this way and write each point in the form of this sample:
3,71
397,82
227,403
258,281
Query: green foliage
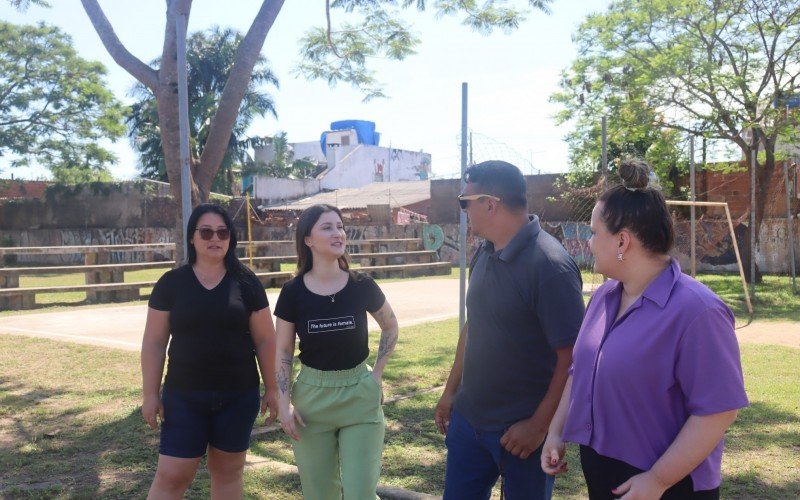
663,69
283,164
22,5
80,175
210,56
54,106
339,53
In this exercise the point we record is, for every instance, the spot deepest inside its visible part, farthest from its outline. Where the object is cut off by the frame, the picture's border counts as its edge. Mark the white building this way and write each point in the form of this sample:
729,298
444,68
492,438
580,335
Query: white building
351,158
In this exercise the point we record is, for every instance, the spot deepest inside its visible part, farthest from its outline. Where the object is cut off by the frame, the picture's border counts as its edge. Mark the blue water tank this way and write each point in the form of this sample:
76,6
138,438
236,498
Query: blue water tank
365,130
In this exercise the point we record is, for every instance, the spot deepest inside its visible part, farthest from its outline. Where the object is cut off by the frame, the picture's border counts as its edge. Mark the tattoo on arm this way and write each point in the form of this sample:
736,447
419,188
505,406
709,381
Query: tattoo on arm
384,316
389,332
387,343
284,373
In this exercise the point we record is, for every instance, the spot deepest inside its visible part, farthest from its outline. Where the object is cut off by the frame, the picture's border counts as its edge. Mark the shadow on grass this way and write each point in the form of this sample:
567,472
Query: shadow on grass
66,455
763,438
746,486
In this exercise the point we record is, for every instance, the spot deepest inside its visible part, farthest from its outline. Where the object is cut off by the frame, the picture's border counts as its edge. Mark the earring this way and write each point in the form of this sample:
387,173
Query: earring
619,257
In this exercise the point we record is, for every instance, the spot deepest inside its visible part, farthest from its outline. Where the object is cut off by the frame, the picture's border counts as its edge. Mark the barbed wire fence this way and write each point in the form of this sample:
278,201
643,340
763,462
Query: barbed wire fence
481,147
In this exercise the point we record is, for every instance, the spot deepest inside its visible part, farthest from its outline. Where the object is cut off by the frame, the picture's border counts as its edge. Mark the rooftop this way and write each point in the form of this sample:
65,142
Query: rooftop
395,194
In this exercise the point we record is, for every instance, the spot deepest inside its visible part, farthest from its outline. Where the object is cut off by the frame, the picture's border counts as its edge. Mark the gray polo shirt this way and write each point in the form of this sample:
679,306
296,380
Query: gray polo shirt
523,302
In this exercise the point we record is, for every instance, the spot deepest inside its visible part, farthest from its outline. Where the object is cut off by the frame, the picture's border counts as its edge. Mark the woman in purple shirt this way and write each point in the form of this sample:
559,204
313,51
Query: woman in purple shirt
656,377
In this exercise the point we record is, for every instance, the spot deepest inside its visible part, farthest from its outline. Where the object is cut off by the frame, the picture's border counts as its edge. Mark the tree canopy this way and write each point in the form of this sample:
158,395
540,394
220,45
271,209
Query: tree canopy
54,106
336,53
341,51
209,56
716,69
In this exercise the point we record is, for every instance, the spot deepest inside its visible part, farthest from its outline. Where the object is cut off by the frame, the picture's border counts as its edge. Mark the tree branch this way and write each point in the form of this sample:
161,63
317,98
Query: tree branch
235,88
115,48
328,20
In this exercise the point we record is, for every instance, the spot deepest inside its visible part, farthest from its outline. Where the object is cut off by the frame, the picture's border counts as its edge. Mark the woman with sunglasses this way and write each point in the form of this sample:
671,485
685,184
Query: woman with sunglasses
214,315
333,410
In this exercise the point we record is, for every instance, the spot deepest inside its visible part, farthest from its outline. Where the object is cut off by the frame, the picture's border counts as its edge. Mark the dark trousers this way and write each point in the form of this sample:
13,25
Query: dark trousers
604,474
476,459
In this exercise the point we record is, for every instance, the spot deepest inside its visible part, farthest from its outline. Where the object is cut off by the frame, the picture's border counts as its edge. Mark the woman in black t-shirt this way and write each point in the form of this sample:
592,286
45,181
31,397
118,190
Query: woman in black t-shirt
213,313
333,411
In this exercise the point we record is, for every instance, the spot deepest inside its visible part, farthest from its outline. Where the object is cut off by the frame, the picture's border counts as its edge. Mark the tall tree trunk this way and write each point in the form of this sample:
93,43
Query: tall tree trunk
163,84
745,248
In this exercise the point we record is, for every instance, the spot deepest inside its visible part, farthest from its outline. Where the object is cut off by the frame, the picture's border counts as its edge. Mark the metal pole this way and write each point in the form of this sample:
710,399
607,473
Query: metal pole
471,151
789,224
462,221
753,221
604,165
249,230
183,127
692,216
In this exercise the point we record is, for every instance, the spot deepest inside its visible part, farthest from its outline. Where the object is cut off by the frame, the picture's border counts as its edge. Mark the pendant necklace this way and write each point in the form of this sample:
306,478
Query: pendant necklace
333,297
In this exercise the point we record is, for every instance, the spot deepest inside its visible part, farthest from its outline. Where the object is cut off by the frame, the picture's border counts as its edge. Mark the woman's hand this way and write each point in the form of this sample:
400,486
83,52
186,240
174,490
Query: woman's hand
152,411
642,486
269,401
378,378
289,419
553,452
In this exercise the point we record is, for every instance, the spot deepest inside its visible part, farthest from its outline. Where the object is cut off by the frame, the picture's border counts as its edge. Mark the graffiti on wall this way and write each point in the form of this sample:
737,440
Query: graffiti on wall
423,170
714,246
377,173
575,238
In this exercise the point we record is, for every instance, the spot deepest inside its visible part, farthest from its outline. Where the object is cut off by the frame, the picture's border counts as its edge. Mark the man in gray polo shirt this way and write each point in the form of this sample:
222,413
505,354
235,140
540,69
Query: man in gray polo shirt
524,310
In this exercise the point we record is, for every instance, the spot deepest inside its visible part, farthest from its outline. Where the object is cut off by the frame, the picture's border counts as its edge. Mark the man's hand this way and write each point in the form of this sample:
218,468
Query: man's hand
444,408
523,438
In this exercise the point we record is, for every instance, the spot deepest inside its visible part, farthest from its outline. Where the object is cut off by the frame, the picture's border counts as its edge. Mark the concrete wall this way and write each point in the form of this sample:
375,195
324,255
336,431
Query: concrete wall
541,191
714,250
79,236
354,167
308,151
89,206
272,190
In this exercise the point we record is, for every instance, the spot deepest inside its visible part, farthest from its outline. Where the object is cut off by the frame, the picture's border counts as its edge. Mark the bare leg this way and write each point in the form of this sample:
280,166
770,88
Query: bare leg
173,477
227,473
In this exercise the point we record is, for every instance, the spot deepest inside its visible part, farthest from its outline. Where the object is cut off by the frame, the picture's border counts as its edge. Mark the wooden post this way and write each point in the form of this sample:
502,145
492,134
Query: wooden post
733,241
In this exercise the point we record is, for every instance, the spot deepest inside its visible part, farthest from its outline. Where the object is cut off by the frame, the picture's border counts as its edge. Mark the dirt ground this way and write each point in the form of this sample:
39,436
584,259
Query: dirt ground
414,302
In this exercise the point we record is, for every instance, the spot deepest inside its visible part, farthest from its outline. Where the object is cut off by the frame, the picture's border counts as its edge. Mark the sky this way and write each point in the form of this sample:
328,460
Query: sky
509,76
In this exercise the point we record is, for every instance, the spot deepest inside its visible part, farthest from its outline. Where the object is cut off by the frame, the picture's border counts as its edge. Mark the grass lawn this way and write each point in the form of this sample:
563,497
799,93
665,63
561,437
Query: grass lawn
70,424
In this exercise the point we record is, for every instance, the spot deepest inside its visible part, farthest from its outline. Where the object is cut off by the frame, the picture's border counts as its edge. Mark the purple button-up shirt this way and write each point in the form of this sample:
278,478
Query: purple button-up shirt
637,380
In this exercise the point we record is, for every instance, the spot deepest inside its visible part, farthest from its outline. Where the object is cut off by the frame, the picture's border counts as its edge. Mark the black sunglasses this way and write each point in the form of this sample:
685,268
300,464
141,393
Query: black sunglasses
208,233
464,199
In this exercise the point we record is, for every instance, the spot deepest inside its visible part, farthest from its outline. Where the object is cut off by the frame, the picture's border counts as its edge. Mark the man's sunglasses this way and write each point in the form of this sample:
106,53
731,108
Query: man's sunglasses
464,199
208,233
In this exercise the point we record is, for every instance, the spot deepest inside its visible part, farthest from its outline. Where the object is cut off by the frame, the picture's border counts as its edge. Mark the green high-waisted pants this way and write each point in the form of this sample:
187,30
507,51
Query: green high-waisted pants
339,451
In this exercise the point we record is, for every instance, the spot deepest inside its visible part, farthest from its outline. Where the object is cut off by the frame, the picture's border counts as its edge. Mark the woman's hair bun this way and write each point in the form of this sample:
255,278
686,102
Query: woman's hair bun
635,173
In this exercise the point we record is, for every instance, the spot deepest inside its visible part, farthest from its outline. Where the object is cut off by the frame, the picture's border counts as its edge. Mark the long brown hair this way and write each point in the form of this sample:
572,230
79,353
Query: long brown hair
309,217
